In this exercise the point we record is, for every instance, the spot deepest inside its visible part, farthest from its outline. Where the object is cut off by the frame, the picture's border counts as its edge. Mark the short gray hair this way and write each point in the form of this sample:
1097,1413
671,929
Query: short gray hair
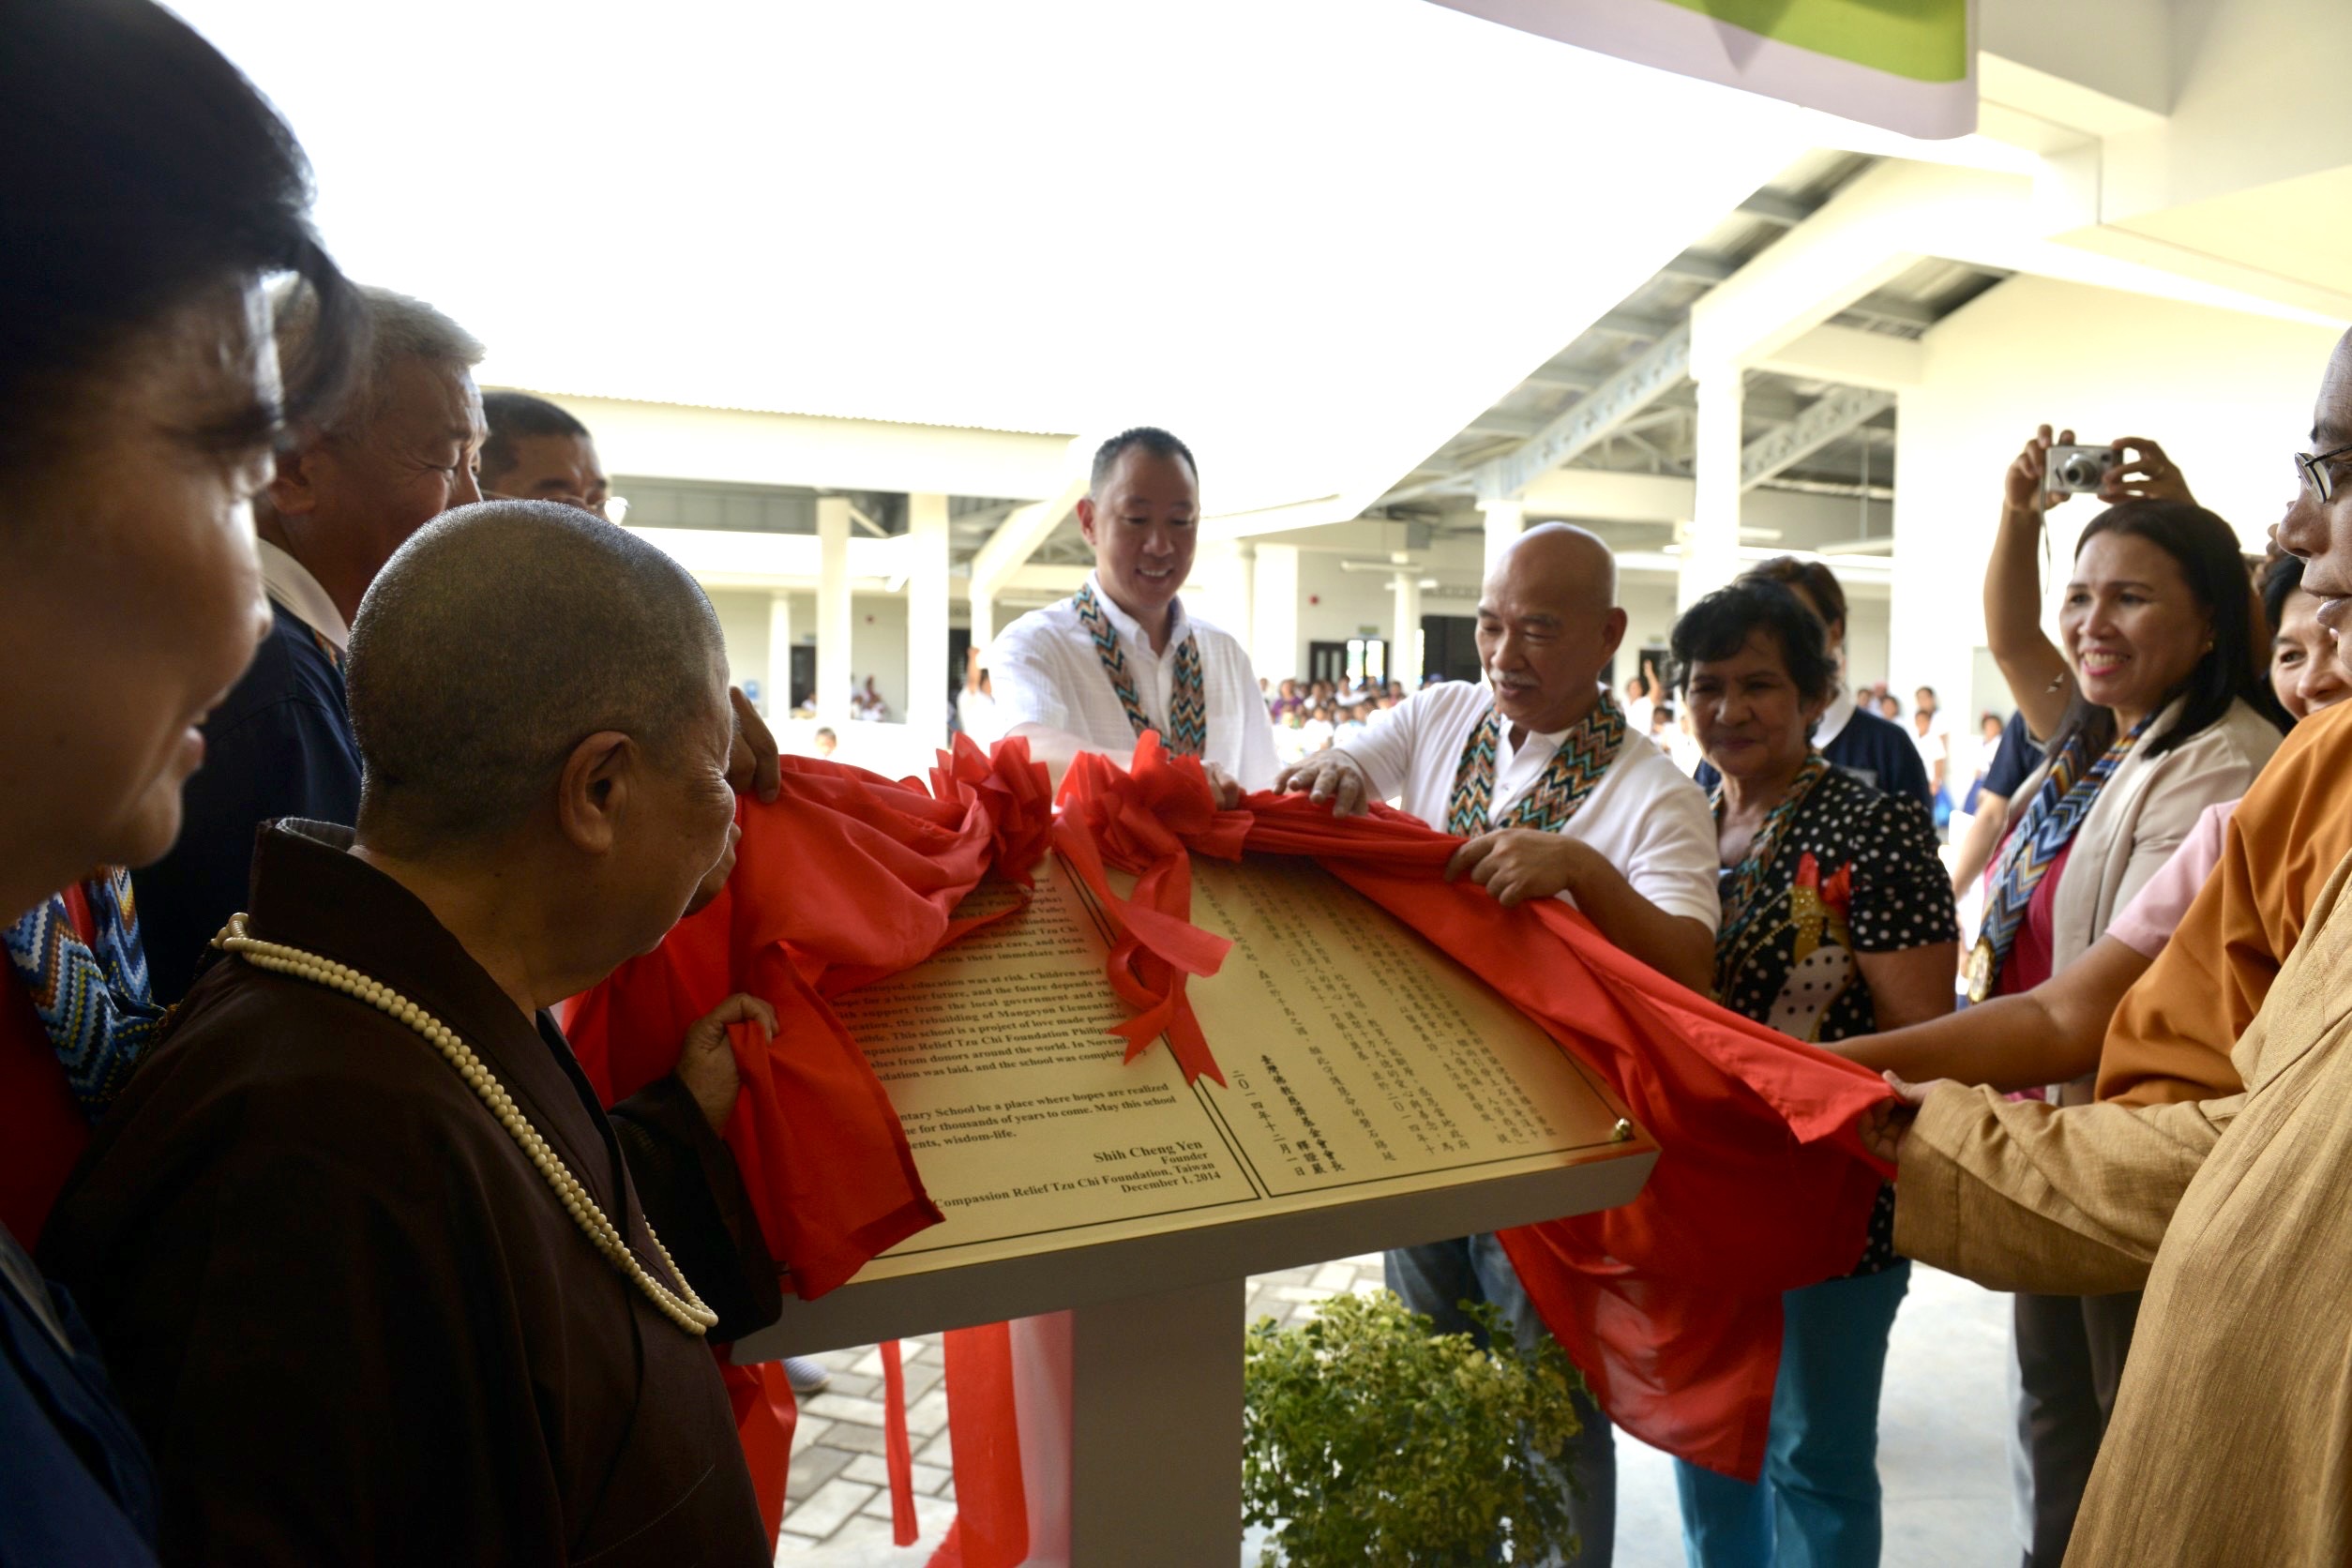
398,326
498,638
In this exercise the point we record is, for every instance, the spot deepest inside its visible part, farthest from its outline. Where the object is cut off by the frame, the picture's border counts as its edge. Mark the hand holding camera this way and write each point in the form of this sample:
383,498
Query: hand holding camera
2049,470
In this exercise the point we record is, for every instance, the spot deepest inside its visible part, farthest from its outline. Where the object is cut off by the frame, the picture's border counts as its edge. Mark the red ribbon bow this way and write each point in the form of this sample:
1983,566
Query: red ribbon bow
1144,818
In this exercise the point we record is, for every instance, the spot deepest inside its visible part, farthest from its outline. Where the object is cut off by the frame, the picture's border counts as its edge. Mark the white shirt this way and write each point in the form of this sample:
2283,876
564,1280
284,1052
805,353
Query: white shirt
1651,821
1833,719
1045,671
289,583
975,711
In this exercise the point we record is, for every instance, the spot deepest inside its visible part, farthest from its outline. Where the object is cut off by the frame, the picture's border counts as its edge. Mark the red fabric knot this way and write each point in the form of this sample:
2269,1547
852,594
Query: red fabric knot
1146,819
1012,791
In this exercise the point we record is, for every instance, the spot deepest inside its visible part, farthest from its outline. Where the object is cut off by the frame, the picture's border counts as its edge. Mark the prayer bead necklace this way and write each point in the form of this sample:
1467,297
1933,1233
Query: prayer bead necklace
687,1310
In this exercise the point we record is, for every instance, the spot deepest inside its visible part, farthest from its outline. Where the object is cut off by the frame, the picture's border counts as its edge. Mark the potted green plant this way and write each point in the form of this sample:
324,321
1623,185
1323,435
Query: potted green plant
1370,1438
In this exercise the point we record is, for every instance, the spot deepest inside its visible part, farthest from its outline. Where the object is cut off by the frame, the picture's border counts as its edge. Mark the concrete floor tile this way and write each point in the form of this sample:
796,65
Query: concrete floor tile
854,1437
927,1415
812,1470
833,1503
843,1407
932,1515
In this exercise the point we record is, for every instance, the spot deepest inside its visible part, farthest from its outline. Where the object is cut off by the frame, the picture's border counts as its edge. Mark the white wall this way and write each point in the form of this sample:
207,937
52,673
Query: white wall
878,637
878,646
1649,606
743,617
1336,605
1275,647
2228,395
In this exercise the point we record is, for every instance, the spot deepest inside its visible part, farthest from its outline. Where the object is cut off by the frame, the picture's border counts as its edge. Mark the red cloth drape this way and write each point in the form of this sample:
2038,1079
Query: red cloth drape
1670,1303
845,878
766,1415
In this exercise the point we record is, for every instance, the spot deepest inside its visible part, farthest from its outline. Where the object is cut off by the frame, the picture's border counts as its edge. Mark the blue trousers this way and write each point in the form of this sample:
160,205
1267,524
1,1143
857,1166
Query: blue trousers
1433,1280
1816,1505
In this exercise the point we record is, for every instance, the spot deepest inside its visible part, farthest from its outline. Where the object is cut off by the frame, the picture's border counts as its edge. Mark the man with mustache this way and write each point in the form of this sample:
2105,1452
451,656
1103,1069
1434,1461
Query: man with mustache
1560,796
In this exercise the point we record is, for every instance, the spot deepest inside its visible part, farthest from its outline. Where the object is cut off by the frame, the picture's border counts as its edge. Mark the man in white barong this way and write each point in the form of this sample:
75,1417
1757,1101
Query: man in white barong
1121,656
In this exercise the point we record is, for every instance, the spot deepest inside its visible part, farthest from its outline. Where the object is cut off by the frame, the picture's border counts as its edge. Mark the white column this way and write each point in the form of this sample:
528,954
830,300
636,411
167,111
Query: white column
1506,520
1275,648
778,697
1245,601
1711,553
1404,653
983,622
926,619
834,671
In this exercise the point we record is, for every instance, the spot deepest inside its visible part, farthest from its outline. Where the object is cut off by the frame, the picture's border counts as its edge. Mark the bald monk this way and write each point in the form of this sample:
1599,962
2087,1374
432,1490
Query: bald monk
373,1276
1558,798
2226,1443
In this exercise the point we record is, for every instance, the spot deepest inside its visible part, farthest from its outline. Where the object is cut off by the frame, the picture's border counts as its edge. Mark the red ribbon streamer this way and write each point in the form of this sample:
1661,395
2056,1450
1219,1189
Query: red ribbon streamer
897,1451
991,1529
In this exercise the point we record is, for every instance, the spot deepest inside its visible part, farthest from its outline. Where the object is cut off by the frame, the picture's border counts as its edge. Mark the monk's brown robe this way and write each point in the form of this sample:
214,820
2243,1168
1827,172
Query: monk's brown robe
350,1317
2231,1441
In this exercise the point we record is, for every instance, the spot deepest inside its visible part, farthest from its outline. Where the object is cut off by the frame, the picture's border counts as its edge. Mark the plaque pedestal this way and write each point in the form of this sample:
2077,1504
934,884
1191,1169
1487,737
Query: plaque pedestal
1378,1096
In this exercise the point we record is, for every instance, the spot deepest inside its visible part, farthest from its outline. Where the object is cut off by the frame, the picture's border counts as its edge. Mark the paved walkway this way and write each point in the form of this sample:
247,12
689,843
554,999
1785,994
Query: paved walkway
1940,1441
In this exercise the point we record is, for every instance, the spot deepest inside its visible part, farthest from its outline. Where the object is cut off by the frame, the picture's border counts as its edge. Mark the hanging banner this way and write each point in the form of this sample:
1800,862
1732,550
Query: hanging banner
1908,66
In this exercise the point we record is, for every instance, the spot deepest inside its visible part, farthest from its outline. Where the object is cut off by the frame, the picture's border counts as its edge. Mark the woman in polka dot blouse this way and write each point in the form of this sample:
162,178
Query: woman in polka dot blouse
1837,920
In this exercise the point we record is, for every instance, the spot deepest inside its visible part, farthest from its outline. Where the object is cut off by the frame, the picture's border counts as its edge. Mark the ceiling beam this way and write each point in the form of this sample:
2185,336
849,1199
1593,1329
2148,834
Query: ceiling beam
1697,266
1563,378
1826,420
1629,323
1495,422
1787,211
1018,536
1887,308
1594,416
1851,356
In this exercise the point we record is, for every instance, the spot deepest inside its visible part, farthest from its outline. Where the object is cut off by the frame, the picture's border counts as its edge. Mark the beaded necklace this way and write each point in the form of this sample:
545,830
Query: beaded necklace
1574,772
682,1306
1745,899
1187,707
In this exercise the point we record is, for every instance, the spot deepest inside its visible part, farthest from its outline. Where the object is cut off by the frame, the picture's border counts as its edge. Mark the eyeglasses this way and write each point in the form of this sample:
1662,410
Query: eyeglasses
2317,478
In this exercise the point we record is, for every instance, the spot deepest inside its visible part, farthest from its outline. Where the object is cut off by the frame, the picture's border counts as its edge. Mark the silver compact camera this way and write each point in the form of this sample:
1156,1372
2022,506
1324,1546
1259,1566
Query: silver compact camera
2079,470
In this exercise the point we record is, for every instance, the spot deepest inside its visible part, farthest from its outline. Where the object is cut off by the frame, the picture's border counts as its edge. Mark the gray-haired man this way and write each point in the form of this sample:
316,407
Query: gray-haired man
352,488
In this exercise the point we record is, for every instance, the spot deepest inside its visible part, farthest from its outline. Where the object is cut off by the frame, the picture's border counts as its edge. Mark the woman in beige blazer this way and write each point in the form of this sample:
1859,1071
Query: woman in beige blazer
2168,713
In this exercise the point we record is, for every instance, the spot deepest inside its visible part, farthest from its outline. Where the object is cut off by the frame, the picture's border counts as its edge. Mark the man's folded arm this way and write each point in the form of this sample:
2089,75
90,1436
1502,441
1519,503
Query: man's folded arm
2018,1195
693,1195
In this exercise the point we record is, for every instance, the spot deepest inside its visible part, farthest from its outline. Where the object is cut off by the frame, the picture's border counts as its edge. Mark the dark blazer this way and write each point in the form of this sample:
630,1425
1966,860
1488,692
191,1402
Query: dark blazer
278,746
